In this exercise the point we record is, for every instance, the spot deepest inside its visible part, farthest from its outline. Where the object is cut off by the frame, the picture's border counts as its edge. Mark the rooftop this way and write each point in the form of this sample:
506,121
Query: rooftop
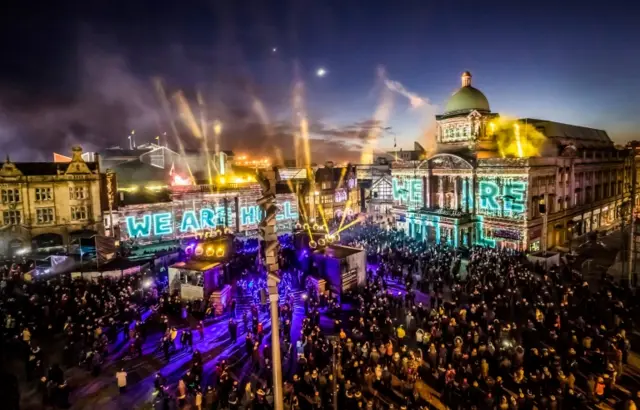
47,168
558,130
340,251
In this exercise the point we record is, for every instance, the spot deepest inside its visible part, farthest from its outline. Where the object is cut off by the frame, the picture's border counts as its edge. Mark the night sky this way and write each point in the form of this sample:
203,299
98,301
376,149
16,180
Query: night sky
87,74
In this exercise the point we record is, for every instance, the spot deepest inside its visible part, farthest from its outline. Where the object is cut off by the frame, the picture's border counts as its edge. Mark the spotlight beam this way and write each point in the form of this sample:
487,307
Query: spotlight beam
344,213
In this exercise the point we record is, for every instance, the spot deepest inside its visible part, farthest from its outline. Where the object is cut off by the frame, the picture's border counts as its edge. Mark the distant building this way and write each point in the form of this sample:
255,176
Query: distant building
374,182
335,187
418,153
47,204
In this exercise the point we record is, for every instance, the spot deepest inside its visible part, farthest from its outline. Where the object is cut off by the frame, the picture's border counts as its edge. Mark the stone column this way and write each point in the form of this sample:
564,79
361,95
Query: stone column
467,193
456,198
424,192
572,186
441,191
428,193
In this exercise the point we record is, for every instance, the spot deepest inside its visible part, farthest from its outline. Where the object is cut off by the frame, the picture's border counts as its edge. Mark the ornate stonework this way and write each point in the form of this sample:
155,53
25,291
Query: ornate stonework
448,161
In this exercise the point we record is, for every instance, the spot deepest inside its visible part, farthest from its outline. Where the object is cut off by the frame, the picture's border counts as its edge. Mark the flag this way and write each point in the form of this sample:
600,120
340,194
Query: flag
105,248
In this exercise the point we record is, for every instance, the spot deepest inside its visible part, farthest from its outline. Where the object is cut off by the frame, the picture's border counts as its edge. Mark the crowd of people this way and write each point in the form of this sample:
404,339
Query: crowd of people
87,314
426,331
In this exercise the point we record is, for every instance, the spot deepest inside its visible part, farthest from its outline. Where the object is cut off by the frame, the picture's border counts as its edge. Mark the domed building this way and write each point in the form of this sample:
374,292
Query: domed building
465,121
525,184
467,99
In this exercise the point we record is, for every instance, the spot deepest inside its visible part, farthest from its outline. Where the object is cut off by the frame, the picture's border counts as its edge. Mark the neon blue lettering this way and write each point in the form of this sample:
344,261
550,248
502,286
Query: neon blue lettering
488,192
162,223
516,193
399,191
247,215
208,218
137,229
416,190
220,215
189,222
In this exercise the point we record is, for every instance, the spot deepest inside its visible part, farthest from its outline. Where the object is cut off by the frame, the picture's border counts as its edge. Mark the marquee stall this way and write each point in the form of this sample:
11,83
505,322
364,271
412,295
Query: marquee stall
344,267
195,279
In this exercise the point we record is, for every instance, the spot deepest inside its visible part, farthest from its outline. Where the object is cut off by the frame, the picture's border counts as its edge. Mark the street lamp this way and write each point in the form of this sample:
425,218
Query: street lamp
542,208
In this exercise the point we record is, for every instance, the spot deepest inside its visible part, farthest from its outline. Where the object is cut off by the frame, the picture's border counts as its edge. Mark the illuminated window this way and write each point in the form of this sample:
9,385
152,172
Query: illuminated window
10,196
12,217
78,192
44,216
44,194
80,213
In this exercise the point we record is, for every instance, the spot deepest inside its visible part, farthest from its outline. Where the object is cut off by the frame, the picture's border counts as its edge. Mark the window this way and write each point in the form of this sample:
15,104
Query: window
326,185
44,194
80,213
44,216
10,196
78,192
12,217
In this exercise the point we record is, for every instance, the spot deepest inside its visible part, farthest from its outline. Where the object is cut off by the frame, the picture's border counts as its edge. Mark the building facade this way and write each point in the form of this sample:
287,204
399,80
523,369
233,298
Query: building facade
335,192
375,184
487,180
47,204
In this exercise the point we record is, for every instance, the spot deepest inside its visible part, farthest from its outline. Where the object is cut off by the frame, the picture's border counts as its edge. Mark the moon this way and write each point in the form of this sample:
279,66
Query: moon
321,72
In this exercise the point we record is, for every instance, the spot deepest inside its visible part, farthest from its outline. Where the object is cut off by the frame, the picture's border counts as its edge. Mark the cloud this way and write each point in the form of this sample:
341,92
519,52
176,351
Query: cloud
340,144
414,99
108,101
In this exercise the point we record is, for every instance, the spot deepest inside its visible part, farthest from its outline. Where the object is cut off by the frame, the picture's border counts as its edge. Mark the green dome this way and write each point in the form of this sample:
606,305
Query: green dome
467,98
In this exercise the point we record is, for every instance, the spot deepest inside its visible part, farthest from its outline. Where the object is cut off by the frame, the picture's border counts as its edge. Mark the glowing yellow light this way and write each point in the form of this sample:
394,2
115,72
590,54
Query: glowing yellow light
220,252
199,250
217,127
210,251
223,180
518,141
155,187
132,188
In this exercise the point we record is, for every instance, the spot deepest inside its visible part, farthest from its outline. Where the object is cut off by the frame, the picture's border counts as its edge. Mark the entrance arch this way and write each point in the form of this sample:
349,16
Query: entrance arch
47,240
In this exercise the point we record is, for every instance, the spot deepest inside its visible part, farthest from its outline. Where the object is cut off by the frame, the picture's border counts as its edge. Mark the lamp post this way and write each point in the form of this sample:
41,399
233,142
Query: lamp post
570,226
542,207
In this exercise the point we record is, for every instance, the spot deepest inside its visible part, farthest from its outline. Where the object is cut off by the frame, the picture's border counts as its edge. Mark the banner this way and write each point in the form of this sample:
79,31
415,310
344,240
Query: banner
105,248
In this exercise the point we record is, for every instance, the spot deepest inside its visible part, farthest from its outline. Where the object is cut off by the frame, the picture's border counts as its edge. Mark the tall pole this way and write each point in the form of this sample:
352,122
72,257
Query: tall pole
267,228
632,208
111,198
544,227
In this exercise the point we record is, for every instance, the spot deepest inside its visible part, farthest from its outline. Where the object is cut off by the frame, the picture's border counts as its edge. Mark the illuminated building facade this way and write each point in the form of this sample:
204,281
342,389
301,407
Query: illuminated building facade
335,192
48,204
485,183
376,188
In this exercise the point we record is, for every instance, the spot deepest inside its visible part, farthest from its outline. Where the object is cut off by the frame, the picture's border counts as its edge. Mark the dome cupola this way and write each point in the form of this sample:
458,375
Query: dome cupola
467,99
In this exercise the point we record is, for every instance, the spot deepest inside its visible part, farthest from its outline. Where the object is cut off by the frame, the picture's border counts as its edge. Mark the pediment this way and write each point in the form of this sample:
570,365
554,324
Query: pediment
448,161
384,180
